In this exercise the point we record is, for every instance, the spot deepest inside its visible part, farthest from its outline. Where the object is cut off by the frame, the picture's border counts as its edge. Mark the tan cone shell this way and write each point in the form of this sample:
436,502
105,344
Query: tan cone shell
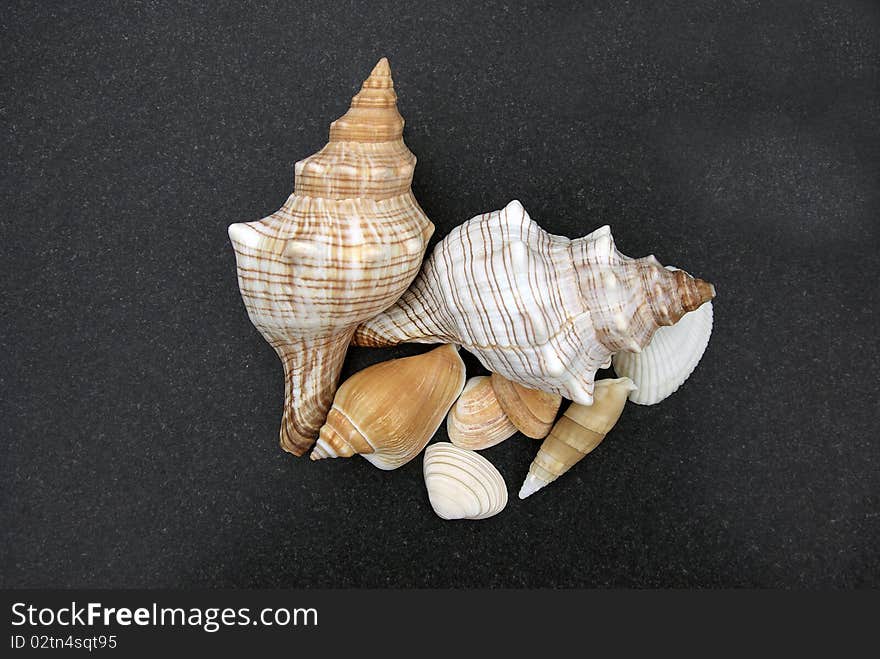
388,412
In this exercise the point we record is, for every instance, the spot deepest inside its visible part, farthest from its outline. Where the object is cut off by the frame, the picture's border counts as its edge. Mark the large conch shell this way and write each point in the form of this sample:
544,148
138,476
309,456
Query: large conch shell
476,421
673,354
462,484
389,411
539,309
578,431
344,246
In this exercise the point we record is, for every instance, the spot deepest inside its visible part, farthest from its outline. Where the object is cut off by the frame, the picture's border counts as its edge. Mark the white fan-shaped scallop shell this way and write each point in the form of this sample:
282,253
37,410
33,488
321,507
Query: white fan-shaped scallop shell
462,484
665,363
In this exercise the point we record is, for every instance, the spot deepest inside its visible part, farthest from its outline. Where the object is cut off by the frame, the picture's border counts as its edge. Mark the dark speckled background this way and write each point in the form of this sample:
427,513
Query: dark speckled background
140,408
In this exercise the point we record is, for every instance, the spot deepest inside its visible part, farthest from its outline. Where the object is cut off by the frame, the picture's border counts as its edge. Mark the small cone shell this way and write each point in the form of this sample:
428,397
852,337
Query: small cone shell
530,410
476,421
581,429
462,484
388,412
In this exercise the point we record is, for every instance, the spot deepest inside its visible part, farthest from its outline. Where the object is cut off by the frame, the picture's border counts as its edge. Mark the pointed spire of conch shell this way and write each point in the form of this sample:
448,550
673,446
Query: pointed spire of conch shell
366,156
344,246
373,115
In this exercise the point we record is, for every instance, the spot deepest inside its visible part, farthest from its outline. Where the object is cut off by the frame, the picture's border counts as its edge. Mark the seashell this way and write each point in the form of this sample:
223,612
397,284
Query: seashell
462,484
532,411
344,246
476,421
579,431
669,359
388,412
541,310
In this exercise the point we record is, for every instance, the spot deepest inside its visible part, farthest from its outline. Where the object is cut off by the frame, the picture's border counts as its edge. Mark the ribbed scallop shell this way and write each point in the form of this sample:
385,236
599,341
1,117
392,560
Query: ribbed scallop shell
476,420
344,246
673,354
462,484
539,309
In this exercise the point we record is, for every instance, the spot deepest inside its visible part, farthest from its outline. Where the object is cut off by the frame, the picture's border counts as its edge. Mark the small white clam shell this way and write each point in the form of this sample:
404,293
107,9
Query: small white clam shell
462,484
669,359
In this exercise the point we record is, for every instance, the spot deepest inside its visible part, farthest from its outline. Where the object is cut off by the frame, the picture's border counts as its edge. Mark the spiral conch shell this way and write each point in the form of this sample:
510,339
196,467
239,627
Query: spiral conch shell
389,411
673,354
462,484
579,431
344,246
539,309
476,420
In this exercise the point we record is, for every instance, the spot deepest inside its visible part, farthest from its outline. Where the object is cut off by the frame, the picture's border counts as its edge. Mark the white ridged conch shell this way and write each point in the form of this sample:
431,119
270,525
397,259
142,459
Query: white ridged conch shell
476,421
389,411
673,354
462,484
539,309
344,246
581,429
531,411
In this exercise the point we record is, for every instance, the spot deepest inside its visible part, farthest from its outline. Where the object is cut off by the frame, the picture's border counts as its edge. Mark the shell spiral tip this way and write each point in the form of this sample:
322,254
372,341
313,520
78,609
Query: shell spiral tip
382,68
321,451
530,485
694,292
380,77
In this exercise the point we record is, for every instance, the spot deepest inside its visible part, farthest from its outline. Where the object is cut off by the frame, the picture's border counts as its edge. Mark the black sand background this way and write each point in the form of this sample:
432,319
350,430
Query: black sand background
140,408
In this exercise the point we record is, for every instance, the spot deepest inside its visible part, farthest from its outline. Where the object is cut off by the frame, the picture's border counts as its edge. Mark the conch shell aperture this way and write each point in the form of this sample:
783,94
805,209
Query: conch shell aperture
345,246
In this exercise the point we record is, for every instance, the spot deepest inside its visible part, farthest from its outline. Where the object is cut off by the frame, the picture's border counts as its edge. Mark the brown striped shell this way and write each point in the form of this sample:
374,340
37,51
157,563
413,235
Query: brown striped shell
345,245
541,310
